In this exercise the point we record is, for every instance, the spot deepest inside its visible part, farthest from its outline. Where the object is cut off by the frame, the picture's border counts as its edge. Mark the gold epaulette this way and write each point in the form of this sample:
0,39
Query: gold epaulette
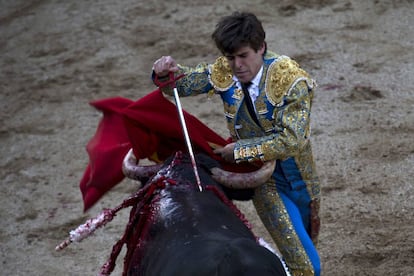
282,75
221,76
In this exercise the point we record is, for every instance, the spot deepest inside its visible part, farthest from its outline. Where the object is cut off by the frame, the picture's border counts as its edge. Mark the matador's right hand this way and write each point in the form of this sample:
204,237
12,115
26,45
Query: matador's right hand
164,65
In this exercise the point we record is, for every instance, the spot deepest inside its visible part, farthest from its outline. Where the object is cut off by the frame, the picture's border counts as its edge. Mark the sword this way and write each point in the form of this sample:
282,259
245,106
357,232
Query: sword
184,127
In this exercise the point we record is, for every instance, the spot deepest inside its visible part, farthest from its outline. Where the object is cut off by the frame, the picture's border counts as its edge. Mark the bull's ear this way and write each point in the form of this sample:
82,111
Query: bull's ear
239,194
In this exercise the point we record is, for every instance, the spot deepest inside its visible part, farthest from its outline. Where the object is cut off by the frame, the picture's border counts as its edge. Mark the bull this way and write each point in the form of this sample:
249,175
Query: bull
176,229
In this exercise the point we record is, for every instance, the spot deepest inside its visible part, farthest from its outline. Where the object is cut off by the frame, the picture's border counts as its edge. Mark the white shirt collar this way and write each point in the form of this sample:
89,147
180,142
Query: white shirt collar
256,79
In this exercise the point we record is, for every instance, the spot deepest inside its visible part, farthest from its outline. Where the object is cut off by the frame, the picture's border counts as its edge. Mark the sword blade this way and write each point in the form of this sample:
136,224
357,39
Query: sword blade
187,137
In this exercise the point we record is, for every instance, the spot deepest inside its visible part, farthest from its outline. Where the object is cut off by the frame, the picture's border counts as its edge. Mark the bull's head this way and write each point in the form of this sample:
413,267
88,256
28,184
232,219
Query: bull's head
233,180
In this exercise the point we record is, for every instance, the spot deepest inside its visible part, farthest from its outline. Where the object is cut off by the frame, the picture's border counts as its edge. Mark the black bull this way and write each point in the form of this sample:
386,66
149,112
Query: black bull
185,231
176,229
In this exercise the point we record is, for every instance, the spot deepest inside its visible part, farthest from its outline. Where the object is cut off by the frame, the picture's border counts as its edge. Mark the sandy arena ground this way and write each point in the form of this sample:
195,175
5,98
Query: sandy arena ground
56,56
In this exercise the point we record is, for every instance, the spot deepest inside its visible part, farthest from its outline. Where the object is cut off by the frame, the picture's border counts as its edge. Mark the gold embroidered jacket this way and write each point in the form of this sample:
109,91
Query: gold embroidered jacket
283,110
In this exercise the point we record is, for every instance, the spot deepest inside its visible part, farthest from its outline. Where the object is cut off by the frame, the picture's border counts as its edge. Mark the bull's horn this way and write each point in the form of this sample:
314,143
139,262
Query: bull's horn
244,180
131,169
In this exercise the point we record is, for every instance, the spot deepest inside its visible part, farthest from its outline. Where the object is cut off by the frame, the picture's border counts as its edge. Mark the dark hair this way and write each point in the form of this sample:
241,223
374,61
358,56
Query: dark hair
238,30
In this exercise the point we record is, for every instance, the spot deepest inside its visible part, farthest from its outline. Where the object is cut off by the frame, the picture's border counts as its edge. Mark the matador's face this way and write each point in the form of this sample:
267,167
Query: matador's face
246,62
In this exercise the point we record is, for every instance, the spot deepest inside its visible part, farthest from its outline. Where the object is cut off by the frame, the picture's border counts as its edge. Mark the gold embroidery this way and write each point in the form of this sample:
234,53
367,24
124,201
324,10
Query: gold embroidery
253,152
221,76
230,110
267,125
282,74
238,94
261,107
273,213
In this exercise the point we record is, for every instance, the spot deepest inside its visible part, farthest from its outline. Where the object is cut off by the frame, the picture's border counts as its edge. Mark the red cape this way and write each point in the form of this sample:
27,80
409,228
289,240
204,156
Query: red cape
151,127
